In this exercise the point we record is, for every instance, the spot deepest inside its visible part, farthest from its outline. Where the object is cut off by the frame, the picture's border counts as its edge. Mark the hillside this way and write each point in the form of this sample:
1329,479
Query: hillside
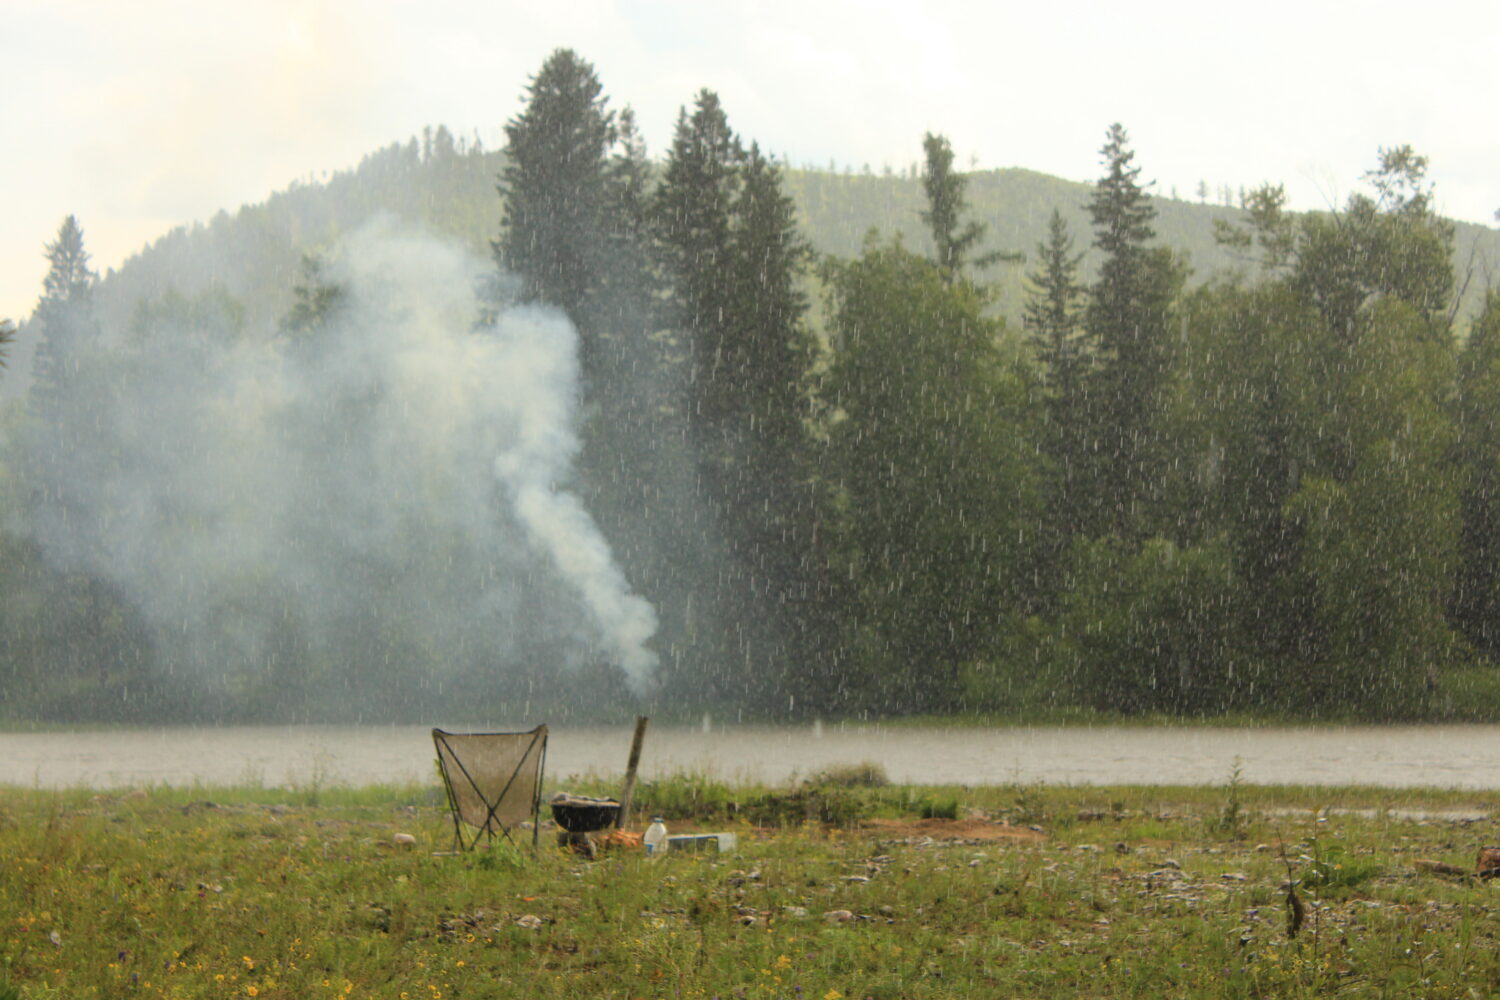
254,253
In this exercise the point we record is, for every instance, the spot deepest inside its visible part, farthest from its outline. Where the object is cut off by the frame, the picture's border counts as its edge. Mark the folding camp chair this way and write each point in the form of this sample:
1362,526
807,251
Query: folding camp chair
494,782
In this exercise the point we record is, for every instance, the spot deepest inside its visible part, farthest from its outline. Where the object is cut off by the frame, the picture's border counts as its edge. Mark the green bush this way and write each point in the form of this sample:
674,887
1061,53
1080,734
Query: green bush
1154,629
865,774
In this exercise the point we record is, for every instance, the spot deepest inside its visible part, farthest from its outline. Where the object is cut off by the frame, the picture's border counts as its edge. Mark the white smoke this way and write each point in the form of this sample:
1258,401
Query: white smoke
399,475
534,469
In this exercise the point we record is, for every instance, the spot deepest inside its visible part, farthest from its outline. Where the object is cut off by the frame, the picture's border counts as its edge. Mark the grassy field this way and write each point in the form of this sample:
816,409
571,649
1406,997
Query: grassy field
842,891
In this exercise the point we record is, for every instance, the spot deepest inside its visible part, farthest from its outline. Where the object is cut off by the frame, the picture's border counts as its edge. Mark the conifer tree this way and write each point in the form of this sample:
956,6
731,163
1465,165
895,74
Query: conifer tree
315,299
7,337
953,239
556,190
732,259
1052,315
1053,310
1476,598
693,215
773,500
1127,320
767,356
64,316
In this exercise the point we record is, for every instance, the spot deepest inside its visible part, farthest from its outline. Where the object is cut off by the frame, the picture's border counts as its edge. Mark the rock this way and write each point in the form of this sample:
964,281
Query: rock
529,921
1488,865
404,840
1437,867
838,916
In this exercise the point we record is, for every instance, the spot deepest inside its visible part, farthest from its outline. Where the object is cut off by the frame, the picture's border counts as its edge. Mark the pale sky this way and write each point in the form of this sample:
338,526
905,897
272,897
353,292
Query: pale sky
140,116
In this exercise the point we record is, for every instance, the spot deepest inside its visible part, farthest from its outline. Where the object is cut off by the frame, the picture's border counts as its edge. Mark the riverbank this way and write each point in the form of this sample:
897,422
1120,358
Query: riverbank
292,756
1002,891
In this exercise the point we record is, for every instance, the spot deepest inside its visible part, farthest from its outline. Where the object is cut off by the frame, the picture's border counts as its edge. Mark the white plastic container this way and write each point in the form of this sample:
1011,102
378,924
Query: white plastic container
713,843
655,838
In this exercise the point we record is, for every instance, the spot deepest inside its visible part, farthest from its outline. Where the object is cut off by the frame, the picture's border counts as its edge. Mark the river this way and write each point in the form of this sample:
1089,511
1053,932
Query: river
1393,756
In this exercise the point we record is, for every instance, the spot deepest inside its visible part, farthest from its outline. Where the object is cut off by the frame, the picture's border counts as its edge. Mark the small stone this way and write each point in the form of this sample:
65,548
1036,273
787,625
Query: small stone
404,840
529,921
838,916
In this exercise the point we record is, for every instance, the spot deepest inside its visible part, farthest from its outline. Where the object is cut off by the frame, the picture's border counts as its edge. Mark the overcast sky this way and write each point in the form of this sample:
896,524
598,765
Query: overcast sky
139,116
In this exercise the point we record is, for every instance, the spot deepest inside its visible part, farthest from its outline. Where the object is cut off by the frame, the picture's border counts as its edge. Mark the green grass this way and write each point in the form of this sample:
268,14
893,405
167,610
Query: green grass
1132,892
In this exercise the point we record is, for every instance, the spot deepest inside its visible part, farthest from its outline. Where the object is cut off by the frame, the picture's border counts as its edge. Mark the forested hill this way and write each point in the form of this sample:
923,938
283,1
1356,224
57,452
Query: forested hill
449,187
269,469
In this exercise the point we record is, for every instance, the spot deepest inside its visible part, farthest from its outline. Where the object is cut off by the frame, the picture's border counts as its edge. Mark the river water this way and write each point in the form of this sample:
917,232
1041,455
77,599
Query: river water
1441,756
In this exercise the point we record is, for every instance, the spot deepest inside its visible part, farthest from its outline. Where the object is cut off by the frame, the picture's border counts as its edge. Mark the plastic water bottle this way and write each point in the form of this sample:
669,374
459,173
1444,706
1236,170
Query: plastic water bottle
656,837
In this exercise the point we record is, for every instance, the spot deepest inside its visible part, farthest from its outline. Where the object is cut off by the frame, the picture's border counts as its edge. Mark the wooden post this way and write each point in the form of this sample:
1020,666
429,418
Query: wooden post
623,819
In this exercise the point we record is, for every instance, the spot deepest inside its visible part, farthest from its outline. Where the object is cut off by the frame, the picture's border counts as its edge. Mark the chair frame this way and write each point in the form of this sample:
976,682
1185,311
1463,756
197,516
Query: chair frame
487,830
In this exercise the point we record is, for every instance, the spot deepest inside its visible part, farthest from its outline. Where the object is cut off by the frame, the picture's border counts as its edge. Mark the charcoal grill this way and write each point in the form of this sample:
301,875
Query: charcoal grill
581,815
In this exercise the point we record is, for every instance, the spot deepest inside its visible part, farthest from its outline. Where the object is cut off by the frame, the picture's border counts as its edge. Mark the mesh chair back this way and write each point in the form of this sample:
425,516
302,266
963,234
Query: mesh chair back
494,780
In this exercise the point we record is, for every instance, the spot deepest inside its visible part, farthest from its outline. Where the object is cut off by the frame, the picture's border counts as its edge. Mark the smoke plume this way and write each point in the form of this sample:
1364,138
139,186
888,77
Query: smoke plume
379,505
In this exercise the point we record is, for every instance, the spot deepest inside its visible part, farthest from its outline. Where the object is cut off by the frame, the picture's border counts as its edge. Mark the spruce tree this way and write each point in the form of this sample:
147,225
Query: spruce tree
953,239
769,347
64,317
1476,598
1127,319
7,337
732,259
1052,311
693,215
556,190
773,499
1052,315
314,300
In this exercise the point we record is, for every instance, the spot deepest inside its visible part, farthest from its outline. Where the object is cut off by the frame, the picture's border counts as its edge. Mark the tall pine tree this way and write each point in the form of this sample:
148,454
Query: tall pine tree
1127,318
1052,317
732,259
556,186
64,318
773,501
7,337
693,214
1476,598
954,240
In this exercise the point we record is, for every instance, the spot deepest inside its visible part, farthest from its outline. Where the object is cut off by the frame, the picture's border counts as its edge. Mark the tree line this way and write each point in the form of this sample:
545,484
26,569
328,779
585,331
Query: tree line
848,486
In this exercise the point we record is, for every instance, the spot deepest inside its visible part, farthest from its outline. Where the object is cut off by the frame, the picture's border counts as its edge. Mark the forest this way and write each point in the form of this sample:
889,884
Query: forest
915,443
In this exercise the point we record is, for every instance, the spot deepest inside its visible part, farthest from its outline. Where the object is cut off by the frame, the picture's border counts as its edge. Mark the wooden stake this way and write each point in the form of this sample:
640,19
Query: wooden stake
630,766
